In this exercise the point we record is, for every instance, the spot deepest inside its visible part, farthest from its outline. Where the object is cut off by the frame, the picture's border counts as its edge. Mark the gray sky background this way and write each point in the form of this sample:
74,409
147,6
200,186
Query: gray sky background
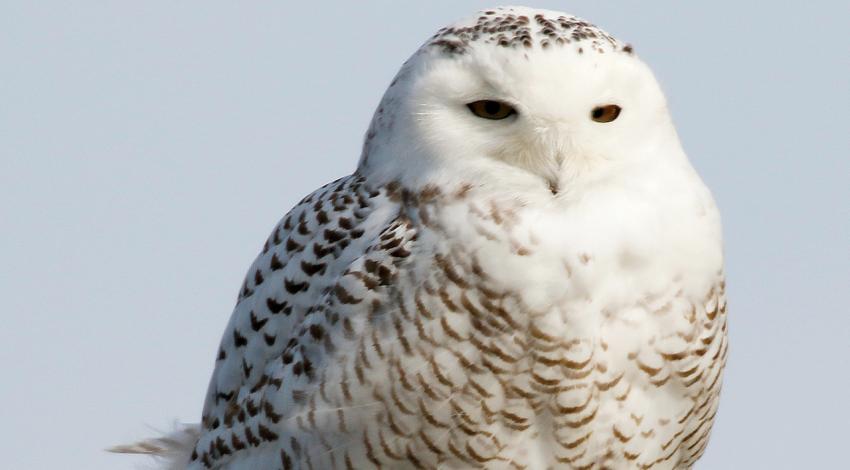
147,149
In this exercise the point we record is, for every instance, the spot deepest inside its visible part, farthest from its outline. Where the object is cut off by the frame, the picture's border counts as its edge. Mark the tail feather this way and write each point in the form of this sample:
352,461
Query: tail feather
172,450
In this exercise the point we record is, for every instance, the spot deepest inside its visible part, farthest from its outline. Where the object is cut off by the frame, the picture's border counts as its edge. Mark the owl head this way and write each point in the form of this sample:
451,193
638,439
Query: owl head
520,99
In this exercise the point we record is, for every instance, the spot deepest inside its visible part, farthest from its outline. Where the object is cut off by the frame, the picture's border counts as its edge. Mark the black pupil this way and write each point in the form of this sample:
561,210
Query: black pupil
598,112
492,107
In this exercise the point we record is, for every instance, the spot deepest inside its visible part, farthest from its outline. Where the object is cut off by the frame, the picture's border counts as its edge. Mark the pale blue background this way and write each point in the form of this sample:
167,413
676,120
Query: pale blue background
148,147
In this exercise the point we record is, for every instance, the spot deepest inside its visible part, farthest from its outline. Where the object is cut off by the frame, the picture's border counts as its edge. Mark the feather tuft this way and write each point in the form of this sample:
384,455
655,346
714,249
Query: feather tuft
171,450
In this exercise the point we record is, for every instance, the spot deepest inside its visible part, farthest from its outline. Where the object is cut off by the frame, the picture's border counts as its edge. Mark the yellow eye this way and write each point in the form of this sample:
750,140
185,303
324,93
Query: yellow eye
489,109
605,113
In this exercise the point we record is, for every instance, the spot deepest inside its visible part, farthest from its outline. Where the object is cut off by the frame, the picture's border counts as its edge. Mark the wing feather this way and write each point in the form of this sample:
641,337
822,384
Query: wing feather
304,268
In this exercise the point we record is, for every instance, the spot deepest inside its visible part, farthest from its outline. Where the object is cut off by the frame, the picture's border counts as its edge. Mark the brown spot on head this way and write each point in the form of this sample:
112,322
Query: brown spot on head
449,47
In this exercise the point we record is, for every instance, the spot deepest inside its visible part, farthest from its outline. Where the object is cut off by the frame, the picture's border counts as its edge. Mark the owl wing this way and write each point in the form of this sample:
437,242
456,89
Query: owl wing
273,343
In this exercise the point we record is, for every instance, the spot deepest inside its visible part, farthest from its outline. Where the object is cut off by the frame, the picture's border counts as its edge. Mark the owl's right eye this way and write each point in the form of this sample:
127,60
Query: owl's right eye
489,109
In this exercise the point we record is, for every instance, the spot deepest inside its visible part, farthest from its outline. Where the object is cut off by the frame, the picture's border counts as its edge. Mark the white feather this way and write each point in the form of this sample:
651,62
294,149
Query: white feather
171,450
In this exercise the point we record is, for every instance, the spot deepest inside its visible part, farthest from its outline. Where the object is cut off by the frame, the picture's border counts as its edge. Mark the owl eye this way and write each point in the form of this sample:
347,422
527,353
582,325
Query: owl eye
605,113
489,109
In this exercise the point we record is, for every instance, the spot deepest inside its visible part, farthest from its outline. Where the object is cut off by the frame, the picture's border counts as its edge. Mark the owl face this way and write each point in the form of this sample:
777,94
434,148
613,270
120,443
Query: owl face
524,92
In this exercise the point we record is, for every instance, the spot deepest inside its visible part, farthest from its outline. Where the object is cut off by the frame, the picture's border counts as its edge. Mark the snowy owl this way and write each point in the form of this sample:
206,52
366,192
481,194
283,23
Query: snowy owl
523,272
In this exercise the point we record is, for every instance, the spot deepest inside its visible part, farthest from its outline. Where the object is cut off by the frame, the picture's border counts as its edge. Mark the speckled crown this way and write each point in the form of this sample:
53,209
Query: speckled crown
520,28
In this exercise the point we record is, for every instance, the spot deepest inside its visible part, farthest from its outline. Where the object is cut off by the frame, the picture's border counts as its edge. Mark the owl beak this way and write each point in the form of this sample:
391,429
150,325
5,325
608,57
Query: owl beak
554,179
554,187
552,145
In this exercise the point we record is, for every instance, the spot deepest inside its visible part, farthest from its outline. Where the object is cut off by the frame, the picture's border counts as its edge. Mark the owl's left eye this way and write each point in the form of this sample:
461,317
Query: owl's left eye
605,113
489,109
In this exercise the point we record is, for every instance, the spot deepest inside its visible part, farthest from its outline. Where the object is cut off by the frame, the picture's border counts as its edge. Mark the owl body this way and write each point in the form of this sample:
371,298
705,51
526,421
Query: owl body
533,283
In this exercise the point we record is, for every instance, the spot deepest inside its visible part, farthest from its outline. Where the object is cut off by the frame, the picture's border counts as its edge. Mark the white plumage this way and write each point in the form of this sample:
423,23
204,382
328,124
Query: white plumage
524,272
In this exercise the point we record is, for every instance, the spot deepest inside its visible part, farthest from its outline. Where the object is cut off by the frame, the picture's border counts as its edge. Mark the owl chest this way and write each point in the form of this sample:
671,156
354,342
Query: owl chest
607,337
